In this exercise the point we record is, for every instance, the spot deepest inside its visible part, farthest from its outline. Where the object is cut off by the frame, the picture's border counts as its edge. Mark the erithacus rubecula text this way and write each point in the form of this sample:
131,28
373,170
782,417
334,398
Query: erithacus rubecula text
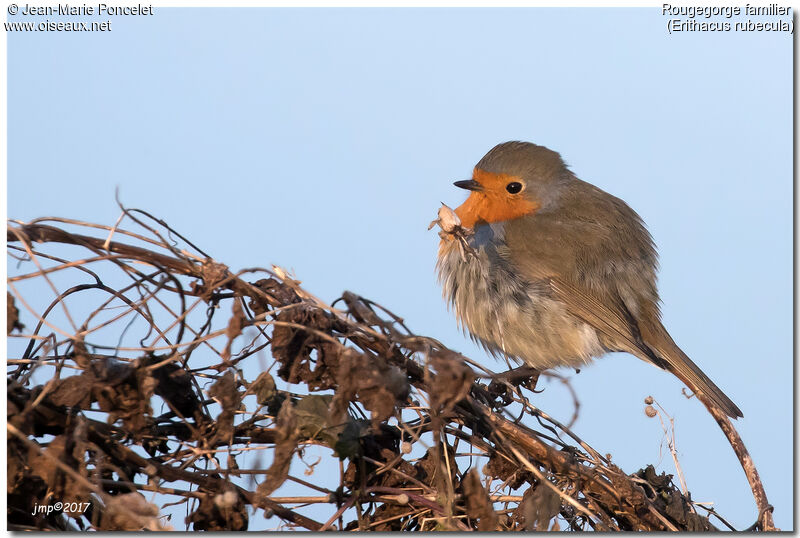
558,272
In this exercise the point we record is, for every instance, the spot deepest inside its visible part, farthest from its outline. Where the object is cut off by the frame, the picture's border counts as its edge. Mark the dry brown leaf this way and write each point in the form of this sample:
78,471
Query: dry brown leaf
12,314
226,392
224,511
451,382
130,512
478,504
234,329
540,507
73,391
377,385
285,444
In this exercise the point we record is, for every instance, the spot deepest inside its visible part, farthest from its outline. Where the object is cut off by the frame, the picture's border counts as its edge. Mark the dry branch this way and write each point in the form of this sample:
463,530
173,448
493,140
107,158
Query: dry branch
162,327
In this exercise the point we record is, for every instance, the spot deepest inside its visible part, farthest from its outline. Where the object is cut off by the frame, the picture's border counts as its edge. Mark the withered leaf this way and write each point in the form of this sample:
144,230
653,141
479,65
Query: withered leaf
80,354
264,388
43,463
130,512
312,419
360,310
73,391
478,504
285,444
348,445
212,274
216,513
451,382
234,329
283,295
396,479
24,489
226,392
69,449
174,385
377,385
540,507
122,390
669,499
12,314
293,347
501,468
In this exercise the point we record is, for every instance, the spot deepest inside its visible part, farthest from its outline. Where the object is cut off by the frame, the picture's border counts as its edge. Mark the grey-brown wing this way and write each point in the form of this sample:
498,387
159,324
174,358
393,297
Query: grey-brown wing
625,314
597,258
600,262
616,329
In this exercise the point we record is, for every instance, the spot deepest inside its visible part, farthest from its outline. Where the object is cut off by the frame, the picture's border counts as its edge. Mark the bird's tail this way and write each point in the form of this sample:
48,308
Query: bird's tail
677,362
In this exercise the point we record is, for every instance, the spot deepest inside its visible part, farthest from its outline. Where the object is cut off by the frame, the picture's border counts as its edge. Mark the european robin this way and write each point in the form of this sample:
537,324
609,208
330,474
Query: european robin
558,271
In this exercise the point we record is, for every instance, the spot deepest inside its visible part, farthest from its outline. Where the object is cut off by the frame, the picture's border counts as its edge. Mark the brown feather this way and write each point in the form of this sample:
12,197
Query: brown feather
601,263
563,271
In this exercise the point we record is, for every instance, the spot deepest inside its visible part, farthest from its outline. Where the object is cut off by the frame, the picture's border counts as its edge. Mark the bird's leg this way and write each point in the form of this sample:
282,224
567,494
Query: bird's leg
520,374
526,376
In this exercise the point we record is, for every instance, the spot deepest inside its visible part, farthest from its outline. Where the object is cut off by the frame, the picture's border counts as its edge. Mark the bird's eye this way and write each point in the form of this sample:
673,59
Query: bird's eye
514,187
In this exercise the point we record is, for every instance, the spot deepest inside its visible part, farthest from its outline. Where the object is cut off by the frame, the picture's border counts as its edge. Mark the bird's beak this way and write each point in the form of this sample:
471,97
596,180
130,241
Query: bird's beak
469,184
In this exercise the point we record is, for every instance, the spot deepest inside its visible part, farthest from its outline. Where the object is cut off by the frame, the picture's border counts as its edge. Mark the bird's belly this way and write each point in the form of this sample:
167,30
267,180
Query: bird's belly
510,316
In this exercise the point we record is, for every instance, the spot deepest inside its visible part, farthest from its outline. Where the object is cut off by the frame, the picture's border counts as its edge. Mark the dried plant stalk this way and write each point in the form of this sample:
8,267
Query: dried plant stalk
138,364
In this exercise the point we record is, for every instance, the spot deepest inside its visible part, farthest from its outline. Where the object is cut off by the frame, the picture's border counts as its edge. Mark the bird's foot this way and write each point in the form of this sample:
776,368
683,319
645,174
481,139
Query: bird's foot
524,376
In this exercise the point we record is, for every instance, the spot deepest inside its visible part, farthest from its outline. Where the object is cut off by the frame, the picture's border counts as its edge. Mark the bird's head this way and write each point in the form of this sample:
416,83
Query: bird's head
513,180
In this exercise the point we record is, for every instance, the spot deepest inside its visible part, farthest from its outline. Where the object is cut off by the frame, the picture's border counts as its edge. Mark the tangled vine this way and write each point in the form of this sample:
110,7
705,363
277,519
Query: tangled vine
147,380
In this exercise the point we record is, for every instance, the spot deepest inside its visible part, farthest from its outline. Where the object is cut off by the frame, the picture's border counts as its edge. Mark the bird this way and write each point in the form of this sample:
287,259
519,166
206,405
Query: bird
558,271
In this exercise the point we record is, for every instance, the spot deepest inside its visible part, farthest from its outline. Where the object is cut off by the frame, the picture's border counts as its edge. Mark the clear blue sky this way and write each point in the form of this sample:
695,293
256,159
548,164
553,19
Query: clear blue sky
348,127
